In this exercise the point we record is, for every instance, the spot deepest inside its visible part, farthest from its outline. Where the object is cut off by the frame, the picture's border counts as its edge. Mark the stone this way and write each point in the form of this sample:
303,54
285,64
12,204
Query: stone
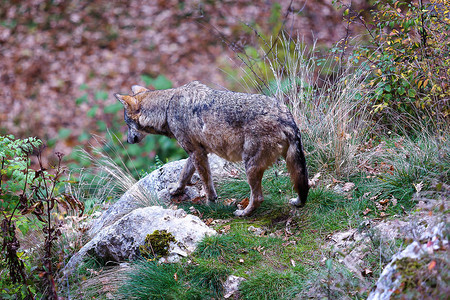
153,190
121,240
231,286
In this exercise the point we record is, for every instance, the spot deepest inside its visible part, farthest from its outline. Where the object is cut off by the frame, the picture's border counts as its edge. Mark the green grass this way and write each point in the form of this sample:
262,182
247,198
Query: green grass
150,280
272,284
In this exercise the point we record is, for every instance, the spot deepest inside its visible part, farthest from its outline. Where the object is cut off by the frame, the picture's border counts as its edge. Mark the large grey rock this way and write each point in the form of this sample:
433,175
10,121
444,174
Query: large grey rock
153,190
120,241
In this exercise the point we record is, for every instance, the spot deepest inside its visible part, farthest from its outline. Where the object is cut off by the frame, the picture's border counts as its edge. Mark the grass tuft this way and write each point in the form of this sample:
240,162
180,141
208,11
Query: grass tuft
271,284
105,181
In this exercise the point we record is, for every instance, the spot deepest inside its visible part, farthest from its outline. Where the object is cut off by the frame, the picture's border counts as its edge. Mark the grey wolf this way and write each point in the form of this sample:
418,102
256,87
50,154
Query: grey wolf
252,128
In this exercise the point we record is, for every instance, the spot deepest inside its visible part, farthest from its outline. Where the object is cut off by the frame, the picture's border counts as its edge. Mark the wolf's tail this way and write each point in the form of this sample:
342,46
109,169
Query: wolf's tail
296,164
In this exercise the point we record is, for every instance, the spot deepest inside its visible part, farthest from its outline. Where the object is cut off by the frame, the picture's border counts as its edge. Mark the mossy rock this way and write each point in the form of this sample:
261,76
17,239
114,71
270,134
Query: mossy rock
424,278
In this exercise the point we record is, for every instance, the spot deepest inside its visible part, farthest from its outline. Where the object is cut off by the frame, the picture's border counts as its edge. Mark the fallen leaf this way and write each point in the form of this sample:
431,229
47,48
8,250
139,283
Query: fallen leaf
366,272
366,211
384,201
374,197
197,200
229,201
209,221
293,262
225,229
234,173
289,243
175,276
259,248
244,203
241,260
394,201
313,182
348,186
194,211
336,181
418,186
379,206
432,265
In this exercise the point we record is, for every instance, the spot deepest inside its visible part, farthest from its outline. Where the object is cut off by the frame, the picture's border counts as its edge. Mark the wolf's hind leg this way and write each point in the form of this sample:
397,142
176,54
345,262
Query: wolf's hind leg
200,161
185,177
254,177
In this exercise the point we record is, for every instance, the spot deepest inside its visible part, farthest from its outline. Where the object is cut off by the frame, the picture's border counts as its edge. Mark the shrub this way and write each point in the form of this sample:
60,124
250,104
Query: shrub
408,50
26,192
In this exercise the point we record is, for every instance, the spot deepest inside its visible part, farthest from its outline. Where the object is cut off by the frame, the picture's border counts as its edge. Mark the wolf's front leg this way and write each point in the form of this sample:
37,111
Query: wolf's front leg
200,161
185,177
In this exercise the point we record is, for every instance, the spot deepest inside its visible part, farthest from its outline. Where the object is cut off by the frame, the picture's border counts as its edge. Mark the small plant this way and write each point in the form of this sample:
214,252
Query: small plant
26,192
332,281
157,244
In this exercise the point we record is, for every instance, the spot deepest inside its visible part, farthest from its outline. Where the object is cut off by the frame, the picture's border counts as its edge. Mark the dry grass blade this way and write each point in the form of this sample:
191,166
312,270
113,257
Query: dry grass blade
107,180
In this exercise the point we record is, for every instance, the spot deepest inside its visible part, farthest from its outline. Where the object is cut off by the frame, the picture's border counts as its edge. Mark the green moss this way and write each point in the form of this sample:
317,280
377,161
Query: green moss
156,244
421,278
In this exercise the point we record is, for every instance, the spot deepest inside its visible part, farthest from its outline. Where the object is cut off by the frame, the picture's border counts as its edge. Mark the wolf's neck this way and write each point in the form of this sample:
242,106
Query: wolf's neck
154,112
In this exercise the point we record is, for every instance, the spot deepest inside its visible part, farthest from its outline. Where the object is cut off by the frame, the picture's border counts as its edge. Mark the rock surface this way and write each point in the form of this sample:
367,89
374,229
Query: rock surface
391,279
152,190
120,241
231,286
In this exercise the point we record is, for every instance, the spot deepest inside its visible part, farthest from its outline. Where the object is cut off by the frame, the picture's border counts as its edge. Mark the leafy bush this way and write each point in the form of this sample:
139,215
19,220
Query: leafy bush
408,50
27,193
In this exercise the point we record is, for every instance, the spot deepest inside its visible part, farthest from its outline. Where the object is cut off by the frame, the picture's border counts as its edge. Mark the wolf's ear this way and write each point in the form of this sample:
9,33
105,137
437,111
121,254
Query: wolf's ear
129,102
137,89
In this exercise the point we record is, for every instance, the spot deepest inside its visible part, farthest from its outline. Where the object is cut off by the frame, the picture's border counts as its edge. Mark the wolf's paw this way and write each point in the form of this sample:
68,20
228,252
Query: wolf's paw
239,213
175,189
242,213
296,202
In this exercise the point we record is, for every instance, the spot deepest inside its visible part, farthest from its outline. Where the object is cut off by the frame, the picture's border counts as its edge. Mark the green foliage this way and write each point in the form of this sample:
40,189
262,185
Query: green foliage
14,159
408,52
110,126
157,244
27,193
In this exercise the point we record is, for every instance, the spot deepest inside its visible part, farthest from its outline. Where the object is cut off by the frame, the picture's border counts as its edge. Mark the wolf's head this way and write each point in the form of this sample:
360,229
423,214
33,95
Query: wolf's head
132,112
